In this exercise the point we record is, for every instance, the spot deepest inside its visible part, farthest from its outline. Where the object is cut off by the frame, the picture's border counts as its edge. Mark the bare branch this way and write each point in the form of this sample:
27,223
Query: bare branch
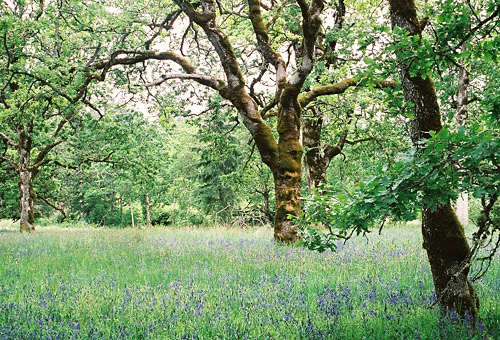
104,159
475,29
334,150
213,83
265,49
260,29
9,140
341,87
93,107
165,25
311,23
134,57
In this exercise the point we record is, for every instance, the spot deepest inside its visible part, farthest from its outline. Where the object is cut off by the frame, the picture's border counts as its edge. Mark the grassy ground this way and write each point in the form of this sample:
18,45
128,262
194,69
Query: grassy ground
221,284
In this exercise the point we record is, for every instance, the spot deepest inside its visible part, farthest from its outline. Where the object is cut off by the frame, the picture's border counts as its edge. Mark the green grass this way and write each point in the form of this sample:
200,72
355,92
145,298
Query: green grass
63,283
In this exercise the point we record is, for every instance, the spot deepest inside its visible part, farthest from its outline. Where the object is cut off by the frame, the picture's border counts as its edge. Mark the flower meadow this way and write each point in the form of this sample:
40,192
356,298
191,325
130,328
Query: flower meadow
99,283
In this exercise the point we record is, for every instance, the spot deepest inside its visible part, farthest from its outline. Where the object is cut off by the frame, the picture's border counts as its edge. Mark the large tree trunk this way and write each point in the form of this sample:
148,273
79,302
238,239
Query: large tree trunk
287,185
285,157
27,194
288,172
443,235
448,251
27,221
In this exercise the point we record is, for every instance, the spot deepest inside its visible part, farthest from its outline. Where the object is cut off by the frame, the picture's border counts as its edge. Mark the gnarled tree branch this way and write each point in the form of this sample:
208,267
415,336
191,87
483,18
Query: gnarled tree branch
58,208
235,90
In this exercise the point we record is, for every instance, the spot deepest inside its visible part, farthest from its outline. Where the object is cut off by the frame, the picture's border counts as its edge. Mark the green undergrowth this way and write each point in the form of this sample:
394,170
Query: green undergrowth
218,283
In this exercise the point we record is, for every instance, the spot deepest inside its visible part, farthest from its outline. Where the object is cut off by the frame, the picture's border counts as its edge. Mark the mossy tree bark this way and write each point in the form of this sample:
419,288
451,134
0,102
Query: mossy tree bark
22,165
282,156
315,163
443,235
319,156
288,171
27,217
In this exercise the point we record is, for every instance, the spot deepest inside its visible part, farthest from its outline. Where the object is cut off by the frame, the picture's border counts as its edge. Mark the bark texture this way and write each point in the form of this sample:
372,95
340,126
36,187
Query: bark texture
318,154
315,163
444,239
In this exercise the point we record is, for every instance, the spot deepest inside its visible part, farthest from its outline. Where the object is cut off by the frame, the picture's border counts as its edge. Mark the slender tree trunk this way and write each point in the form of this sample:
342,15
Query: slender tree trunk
462,101
265,192
132,216
121,210
266,208
148,211
27,194
443,235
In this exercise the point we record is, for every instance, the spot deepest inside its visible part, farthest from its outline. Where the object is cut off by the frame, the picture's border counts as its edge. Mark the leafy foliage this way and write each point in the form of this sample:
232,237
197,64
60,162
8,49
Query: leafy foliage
430,175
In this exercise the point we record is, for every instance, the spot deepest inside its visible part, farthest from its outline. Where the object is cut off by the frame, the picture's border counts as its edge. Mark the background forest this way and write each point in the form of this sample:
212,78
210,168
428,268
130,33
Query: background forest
117,150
